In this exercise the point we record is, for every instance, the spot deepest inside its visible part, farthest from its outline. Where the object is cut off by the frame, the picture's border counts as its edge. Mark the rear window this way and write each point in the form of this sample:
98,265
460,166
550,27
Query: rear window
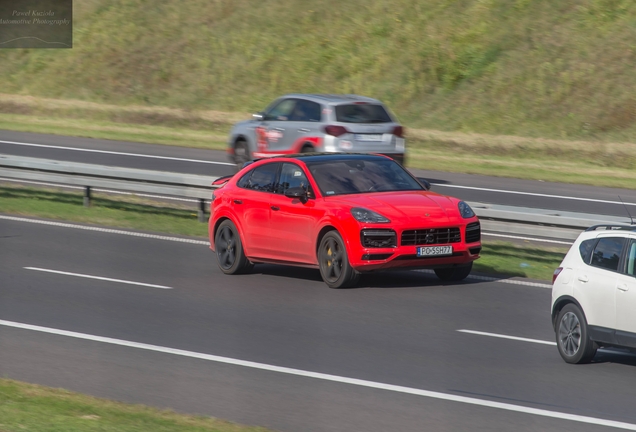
362,113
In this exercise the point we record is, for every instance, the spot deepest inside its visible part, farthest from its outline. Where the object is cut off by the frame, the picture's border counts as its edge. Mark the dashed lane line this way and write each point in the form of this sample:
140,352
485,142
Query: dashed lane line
97,278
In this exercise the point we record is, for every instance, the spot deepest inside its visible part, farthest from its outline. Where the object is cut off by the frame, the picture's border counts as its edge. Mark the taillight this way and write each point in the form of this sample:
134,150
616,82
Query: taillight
556,273
335,130
398,131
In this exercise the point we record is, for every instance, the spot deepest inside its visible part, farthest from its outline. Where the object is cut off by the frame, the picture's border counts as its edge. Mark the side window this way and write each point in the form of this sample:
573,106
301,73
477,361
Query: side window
585,249
291,175
262,178
282,111
631,258
607,253
244,181
306,111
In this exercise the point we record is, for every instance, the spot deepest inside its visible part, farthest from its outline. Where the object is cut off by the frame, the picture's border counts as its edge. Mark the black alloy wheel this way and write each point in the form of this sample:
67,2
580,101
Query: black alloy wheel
229,249
334,264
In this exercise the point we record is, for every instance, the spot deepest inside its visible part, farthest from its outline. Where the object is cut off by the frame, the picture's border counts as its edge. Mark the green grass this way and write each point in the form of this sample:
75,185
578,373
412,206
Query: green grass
28,407
497,258
560,70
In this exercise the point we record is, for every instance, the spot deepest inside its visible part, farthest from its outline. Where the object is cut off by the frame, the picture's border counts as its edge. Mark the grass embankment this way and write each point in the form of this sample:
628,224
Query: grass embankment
28,407
498,258
540,69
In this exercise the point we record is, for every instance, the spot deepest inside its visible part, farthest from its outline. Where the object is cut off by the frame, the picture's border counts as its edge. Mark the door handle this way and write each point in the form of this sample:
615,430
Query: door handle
584,278
238,202
304,130
622,287
275,208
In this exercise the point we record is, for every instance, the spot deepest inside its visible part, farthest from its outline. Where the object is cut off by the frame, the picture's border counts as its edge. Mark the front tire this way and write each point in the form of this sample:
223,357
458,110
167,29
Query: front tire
229,250
573,337
455,273
334,263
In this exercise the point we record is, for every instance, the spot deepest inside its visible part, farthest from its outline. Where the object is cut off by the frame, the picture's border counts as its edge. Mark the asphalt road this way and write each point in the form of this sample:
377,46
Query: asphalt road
523,193
277,348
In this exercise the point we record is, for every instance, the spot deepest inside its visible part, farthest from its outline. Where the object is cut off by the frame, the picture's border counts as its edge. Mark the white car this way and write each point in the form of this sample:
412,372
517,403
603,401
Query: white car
594,293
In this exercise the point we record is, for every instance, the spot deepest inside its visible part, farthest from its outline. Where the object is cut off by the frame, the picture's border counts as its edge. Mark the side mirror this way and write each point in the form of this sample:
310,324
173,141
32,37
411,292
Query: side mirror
259,116
424,182
297,192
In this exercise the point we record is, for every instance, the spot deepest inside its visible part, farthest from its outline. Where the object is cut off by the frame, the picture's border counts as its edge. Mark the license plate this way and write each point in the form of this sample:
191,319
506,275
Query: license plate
424,251
368,137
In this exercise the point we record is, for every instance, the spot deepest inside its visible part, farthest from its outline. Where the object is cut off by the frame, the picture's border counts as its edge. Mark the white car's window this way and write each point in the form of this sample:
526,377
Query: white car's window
631,258
607,253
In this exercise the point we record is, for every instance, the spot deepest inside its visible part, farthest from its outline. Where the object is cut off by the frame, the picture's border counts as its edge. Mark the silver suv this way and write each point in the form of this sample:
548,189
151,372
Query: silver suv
594,293
302,123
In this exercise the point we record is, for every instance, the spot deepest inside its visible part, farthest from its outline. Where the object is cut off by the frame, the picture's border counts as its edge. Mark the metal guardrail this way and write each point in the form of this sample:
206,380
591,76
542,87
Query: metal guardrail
498,218
91,176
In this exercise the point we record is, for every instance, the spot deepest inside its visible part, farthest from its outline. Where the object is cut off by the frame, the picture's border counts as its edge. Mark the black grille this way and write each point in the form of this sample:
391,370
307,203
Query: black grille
431,236
473,232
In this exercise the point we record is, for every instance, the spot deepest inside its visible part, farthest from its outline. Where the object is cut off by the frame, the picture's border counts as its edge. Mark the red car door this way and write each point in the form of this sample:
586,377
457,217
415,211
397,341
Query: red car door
251,204
293,222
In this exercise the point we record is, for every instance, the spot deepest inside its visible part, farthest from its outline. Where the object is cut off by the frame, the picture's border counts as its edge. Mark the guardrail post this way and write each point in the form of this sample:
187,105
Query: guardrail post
87,196
201,212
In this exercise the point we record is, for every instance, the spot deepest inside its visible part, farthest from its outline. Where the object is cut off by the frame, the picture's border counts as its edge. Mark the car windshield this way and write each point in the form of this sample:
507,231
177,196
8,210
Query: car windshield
354,176
362,113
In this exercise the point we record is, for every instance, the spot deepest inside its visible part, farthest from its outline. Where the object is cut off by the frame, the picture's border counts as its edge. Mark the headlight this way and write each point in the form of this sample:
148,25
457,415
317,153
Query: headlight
368,216
465,210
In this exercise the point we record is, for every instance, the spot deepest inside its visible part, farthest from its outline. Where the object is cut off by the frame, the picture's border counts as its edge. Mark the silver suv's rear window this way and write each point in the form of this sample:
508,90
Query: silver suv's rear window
362,113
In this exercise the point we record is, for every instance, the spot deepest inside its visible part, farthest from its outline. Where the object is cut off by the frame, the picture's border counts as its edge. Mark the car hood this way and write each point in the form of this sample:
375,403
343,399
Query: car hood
411,206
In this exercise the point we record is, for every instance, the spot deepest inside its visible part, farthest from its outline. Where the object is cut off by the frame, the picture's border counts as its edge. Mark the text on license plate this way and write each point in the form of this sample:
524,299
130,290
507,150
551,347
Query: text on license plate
368,137
423,251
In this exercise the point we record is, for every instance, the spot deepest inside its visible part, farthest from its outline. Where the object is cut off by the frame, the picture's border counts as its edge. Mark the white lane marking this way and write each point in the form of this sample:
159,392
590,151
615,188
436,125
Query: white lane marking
328,377
97,277
495,335
206,243
115,153
106,230
101,190
534,194
569,243
511,281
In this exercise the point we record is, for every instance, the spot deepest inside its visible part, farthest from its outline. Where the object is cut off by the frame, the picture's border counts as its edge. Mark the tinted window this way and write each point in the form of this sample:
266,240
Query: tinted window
306,111
631,258
291,175
281,111
261,178
352,176
607,253
362,113
585,249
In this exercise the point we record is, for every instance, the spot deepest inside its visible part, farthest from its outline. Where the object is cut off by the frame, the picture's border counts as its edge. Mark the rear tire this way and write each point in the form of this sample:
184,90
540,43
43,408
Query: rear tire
241,154
572,336
334,263
229,250
307,149
455,273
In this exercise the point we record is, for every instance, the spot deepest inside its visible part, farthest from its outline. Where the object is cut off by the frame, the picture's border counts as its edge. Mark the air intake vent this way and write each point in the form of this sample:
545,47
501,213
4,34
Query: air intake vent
473,232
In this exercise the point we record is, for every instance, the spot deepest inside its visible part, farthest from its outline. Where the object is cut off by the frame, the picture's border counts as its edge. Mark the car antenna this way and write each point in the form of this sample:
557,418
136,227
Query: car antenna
630,216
